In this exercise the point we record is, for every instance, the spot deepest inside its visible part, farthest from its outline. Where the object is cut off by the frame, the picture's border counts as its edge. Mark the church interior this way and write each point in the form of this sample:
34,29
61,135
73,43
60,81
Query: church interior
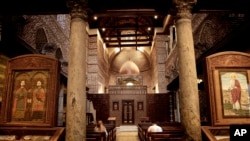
124,62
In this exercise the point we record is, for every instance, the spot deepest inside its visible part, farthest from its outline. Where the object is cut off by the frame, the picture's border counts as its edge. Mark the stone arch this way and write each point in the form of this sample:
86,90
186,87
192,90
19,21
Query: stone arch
49,49
41,39
58,54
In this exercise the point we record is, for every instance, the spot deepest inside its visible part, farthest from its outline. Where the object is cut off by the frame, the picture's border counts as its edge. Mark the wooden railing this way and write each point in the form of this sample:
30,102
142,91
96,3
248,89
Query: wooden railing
127,89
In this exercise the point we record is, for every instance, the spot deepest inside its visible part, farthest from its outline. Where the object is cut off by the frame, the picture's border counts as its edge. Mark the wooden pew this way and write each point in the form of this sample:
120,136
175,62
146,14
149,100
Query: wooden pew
142,130
96,136
111,129
171,131
164,136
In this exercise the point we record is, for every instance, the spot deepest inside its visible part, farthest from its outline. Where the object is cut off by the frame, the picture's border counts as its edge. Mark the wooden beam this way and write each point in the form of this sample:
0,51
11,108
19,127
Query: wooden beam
129,45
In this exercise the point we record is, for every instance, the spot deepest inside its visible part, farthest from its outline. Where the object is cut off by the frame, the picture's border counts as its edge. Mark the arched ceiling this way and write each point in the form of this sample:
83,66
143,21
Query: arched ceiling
129,26
125,24
137,56
130,68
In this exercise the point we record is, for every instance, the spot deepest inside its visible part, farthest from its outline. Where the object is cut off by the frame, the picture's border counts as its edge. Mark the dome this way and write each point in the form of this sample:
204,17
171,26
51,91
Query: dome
129,67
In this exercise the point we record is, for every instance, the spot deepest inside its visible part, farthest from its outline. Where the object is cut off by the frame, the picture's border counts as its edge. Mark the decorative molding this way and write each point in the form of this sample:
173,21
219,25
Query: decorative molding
184,8
212,30
230,60
78,9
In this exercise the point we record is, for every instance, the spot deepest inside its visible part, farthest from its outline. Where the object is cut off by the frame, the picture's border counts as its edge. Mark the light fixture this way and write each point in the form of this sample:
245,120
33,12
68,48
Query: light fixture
129,84
199,80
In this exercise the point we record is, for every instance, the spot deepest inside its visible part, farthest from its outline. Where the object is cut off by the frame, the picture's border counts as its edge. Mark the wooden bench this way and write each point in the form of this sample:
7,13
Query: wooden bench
164,136
96,136
111,129
171,131
142,130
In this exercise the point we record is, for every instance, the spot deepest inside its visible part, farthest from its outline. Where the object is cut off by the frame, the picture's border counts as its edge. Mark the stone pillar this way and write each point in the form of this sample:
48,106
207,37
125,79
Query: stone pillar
189,98
76,88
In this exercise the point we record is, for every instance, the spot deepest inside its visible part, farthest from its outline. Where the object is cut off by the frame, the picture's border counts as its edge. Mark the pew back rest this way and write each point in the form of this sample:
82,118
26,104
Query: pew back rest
98,136
175,130
165,136
111,129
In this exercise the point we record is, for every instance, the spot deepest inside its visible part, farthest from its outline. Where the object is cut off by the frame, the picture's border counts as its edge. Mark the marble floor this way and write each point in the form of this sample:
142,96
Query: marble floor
127,133
127,136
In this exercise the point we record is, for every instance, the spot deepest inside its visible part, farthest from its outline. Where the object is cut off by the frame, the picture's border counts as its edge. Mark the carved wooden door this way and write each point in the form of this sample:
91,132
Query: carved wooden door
128,111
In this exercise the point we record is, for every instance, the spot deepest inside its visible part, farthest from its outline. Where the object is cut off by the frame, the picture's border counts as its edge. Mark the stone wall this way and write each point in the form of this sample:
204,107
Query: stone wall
55,35
103,66
158,57
92,66
97,65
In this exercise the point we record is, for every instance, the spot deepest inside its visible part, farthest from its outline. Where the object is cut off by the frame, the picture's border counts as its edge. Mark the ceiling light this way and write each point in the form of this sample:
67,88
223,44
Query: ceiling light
129,84
149,28
199,80
95,18
156,17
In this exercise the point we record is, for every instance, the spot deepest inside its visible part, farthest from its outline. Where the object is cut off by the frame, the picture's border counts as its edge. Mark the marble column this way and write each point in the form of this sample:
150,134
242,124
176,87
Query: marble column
76,87
188,87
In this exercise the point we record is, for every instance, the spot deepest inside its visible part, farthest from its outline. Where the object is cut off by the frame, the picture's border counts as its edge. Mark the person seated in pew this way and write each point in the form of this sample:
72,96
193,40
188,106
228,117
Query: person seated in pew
100,127
154,128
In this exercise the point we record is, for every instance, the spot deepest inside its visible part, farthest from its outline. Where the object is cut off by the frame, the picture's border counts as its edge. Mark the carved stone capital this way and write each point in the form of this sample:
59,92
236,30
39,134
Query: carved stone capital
184,8
78,9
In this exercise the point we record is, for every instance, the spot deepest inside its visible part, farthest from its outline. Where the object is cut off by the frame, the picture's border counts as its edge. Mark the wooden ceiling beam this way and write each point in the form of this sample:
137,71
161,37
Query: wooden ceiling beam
130,40
129,45
128,27
128,35
129,13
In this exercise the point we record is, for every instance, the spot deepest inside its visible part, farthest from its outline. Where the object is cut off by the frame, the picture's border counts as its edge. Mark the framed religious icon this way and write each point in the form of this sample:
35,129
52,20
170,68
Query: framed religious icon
115,105
31,92
140,105
228,85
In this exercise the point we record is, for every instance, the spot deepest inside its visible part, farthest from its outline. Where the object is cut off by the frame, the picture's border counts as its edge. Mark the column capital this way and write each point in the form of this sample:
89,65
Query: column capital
184,8
78,9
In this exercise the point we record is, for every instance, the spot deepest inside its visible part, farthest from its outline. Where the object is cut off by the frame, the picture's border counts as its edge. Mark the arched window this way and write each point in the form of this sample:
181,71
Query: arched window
41,39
